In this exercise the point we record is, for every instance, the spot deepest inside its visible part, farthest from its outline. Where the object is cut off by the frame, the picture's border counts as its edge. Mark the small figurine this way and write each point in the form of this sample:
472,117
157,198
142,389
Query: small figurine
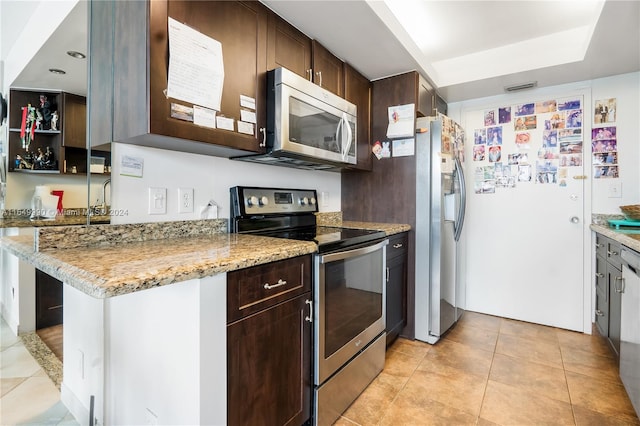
38,120
49,159
54,120
45,109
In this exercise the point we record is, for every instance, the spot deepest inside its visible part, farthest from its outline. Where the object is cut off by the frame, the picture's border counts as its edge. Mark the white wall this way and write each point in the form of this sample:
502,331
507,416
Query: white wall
22,185
211,178
626,89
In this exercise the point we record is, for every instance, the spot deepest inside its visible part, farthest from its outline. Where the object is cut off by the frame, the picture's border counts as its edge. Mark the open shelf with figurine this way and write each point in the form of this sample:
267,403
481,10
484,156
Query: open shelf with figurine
47,132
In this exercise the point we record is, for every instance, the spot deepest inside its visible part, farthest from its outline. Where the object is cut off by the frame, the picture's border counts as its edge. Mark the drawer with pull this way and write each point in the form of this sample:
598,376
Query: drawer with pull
397,245
253,289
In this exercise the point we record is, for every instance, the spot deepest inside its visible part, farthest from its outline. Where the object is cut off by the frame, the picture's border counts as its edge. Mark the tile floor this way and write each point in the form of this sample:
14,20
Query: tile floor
486,371
495,371
29,397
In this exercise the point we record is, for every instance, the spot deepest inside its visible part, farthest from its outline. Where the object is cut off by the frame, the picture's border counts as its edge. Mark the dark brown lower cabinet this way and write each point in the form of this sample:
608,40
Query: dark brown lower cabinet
396,299
48,300
269,378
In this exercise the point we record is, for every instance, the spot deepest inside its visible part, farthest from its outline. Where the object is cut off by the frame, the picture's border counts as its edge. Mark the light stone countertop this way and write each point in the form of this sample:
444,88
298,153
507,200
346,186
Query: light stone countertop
112,260
626,237
66,220
119,269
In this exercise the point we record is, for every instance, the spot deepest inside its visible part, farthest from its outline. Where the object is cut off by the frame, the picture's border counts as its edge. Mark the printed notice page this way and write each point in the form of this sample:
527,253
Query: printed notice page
196,68
401,121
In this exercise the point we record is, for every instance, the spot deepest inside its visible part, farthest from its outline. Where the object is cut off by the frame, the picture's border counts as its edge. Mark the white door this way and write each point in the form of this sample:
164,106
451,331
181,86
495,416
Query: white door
525,201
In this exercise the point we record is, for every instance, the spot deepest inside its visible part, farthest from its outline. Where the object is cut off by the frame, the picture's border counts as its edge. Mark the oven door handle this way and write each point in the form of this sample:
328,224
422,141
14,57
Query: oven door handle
332,257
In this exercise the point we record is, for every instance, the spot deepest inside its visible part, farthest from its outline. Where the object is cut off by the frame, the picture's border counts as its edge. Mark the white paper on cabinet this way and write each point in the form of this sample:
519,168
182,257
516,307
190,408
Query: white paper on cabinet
401,121
196,68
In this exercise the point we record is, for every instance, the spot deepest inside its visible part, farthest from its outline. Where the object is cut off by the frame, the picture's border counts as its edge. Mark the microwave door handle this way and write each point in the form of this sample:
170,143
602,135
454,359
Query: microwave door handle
338,144
346,145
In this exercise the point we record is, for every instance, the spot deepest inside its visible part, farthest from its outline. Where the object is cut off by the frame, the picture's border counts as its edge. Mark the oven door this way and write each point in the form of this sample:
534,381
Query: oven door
350,305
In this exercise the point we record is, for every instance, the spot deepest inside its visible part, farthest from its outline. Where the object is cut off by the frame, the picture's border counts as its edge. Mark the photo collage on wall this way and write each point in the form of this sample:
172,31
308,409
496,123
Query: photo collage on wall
604,141
532,142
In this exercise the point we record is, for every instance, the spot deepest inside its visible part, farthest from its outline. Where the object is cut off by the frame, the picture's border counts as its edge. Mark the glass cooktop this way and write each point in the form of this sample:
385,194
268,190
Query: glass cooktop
329,238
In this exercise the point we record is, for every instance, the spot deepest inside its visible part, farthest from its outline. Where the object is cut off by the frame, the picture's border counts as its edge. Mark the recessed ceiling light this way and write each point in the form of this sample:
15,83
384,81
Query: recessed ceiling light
76,55
57,71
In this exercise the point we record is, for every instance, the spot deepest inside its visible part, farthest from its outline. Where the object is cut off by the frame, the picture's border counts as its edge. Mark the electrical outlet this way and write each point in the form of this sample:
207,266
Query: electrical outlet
615,189
157,200
185,200
324,199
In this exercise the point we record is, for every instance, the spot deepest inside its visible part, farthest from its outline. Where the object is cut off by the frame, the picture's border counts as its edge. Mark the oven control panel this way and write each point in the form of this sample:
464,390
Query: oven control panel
264,201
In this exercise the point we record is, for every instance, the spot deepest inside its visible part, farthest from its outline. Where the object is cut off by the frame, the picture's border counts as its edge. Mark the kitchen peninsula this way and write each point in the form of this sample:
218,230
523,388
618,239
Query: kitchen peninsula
145,313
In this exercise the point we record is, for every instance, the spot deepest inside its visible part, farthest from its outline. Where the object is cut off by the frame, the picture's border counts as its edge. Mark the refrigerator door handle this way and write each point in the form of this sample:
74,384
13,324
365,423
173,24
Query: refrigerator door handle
463,199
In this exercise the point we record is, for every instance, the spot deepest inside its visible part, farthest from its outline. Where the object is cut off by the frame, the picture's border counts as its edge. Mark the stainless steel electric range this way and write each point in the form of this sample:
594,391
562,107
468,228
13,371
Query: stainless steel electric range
349,290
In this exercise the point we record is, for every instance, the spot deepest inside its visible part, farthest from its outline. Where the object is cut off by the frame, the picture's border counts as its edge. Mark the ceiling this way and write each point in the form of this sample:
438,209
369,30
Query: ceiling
467,49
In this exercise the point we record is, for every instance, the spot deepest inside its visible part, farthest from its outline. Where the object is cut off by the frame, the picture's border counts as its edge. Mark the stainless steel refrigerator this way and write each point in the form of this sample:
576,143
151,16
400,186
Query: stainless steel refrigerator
440,210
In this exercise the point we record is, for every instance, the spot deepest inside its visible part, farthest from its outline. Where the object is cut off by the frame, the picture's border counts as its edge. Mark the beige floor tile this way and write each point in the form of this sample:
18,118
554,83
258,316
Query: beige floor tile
448,354
541,351
602,396
410,347
28,400
458,390
17,362
590,364
510,405
414,408
342,421
10,384
400,364
593,343
488,322
528,330
471,335
586,417
371,404
530,376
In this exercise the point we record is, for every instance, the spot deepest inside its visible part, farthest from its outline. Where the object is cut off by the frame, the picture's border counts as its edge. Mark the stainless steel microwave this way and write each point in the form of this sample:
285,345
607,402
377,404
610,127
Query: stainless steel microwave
307,126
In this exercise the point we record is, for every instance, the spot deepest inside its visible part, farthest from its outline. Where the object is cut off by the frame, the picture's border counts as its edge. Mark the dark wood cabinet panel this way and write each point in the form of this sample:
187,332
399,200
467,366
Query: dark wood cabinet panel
269,343
396,300
253,289
287,47
74,131
328,70
357,90
141,111
48,300
268,366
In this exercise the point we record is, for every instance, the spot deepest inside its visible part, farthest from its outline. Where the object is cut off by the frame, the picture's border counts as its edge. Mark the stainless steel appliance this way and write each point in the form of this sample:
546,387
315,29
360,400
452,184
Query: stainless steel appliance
630,325
440,210
349,290
307,126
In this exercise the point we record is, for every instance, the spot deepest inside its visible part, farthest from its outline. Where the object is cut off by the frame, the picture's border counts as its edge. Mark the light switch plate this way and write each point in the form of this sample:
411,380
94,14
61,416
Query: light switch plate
615,189
157,200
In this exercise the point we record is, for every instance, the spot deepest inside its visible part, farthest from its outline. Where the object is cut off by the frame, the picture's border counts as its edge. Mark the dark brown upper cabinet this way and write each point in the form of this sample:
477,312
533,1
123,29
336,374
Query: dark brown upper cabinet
129,70
287,47
357,90
74,133
328,71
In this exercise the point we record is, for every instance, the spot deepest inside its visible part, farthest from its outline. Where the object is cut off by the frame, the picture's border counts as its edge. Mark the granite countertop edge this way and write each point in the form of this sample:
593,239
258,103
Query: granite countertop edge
235,256
626,239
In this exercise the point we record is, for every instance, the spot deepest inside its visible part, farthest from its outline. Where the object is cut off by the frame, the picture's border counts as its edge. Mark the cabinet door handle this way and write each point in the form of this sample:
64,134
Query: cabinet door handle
310,317
310,74
599,245
615,285
599,313
280,283
396,246
387,274
319,74
264,137
612,253
599,275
